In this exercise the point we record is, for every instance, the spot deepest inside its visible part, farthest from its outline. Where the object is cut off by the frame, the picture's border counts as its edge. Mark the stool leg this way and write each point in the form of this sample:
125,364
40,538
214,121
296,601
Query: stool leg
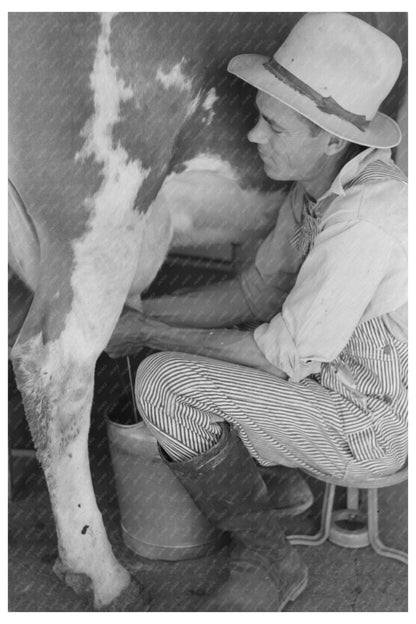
353,498
11,480
376,543
323,533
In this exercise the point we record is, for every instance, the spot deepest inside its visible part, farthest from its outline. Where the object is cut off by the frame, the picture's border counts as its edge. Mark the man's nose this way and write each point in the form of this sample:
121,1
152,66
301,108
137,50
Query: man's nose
258,133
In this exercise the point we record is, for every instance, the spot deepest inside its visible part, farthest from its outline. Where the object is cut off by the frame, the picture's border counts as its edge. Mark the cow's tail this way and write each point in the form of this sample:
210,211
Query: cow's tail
23,243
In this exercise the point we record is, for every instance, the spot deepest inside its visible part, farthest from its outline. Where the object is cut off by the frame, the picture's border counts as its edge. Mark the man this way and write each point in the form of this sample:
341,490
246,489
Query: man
321,383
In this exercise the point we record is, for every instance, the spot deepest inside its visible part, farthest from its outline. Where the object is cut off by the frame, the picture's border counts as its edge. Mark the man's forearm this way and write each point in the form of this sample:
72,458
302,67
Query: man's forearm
217,305
228,345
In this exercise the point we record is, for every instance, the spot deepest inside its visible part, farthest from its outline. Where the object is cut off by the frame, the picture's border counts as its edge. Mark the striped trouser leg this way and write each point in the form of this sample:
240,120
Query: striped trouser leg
184,426
183,397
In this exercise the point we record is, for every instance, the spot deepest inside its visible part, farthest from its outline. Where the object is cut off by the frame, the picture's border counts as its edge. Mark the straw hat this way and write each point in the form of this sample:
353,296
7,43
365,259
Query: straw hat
334,69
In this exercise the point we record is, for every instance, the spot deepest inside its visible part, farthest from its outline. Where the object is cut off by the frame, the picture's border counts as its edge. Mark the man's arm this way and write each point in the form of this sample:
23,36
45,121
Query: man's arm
257,293
347,275
135,331
216,305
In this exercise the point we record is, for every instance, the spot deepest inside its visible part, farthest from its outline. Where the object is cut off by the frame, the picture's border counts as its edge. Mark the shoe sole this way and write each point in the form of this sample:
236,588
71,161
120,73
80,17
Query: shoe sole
296,591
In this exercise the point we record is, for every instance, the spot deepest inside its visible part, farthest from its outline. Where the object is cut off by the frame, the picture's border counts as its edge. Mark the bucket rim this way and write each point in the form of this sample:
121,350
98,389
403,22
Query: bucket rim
108,421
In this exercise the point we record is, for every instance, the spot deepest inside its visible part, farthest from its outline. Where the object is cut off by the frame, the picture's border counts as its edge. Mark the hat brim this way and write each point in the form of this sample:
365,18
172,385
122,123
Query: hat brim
381,132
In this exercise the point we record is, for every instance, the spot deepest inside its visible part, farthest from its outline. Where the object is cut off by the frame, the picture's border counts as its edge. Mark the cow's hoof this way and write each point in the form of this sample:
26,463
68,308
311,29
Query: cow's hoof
80,583
134,598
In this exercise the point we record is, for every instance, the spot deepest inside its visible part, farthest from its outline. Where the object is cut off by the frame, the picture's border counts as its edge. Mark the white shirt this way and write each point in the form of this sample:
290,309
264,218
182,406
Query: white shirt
329,266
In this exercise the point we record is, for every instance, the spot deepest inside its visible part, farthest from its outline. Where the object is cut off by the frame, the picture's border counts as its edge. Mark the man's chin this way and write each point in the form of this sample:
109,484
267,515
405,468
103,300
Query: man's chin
273,174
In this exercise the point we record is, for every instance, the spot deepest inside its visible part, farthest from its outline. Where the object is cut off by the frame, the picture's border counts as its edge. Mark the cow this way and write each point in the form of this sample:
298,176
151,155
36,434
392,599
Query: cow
126,137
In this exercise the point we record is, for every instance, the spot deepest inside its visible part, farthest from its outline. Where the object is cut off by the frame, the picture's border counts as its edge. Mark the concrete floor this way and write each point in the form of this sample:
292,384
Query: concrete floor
341,580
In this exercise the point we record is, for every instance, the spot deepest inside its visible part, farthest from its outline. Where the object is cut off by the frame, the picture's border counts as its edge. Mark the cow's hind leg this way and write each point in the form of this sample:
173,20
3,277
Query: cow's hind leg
57,394
54,360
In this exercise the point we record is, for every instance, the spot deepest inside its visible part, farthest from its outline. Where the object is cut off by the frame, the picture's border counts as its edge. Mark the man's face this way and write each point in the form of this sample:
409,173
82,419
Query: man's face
285,143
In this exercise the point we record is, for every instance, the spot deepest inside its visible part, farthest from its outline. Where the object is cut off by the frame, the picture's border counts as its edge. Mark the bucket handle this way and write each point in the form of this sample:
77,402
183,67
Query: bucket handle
133,399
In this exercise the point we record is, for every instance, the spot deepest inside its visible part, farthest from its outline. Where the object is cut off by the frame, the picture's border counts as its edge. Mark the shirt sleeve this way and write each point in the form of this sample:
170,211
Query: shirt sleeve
334,287
267,282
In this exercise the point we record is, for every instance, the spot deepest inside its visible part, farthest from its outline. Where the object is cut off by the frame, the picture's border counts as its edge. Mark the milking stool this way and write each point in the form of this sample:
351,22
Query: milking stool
350,527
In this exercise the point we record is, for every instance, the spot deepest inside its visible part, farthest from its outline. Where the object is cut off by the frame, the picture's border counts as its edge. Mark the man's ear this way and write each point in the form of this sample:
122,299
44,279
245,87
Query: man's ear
335,145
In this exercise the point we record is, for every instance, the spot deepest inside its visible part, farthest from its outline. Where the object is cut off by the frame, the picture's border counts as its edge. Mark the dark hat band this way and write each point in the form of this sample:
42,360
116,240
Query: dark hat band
325,104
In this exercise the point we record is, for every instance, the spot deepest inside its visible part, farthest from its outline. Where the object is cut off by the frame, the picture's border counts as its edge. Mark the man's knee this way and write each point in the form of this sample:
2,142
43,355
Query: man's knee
148,372
154,376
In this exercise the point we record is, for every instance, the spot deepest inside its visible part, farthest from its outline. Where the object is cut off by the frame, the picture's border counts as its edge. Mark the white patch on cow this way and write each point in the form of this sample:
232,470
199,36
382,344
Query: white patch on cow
105,258
108,16
210,162
193,105
208,104
109,92
175,78
210,100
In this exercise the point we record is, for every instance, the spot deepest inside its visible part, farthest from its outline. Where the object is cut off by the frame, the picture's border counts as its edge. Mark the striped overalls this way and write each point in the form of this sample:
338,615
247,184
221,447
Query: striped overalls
350,419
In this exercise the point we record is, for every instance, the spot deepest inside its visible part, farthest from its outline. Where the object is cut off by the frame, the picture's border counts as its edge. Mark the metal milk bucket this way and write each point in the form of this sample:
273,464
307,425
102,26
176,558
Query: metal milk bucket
159,520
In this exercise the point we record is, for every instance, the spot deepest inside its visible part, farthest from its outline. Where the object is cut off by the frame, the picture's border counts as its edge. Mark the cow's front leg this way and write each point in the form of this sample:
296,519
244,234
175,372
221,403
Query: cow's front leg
57,393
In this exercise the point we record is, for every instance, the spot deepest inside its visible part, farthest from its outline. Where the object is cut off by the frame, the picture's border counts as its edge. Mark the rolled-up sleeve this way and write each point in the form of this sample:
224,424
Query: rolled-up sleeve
335,285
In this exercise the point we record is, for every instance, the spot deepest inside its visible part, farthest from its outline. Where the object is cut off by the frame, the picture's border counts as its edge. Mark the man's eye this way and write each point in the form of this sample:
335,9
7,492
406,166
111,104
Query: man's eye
267,122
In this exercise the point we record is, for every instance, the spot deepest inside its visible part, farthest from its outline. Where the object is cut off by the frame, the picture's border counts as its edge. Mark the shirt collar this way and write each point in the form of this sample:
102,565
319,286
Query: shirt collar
353,167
